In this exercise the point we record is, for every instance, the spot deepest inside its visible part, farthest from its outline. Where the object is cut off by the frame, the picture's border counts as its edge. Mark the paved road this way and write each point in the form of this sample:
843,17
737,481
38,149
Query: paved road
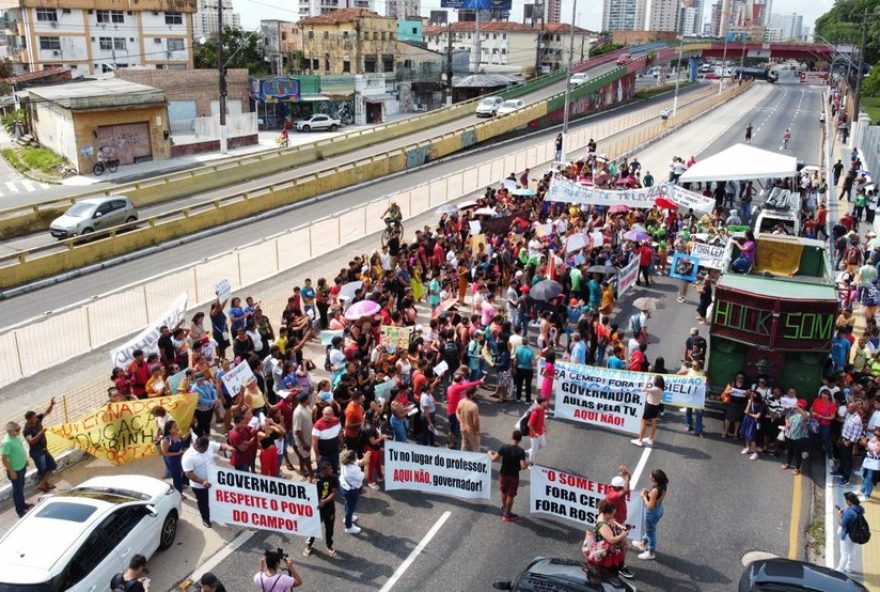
720,504
74,290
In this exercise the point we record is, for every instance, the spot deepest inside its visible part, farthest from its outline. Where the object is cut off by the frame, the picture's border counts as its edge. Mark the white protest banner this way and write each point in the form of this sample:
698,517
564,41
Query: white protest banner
543,229
382,391
148,339
235,379
327,336
684,391
250,500
566,191
474,226
602,397
441,368
575,242
628,276
597,239
709,255
577,498
432,470
223,289
395,338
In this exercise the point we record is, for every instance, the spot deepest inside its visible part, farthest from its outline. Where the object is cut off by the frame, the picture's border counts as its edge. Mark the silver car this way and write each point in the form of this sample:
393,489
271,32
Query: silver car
92,214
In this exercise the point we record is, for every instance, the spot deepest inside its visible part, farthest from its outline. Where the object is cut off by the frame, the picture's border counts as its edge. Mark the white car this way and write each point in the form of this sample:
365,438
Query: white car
318,121
510,106
579,78
77,540
488,107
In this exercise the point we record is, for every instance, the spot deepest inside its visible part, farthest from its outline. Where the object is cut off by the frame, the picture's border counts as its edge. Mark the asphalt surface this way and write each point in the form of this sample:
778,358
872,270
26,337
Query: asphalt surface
45,239
720,505
77,289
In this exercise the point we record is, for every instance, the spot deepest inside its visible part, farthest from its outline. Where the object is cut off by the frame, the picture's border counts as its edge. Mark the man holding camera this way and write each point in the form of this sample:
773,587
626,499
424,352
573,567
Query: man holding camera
270,578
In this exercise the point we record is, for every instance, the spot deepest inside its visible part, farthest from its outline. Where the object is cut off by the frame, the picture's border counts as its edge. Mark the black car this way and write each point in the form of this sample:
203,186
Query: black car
785,575
561,575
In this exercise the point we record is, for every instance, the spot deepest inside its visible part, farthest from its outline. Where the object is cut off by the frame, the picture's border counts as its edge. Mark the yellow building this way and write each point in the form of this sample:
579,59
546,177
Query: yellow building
94,36
348,41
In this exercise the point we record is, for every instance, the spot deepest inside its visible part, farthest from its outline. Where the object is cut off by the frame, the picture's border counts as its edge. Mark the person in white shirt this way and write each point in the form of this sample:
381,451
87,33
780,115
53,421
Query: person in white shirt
351,479
196,462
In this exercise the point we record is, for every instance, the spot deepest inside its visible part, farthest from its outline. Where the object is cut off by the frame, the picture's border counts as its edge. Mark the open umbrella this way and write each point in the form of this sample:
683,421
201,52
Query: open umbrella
347,291
485,212
467,204
663,203
649,304
636,235
447,209
546,290
523,192
604,269
364,308
618,209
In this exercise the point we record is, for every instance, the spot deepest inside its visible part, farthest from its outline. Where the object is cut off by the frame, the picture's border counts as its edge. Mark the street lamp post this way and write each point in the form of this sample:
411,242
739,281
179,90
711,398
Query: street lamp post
860,74
677,76
568,82
723,65
222,76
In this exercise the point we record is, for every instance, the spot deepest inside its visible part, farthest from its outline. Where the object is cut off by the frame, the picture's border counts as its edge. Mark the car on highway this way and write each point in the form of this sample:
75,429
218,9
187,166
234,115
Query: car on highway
94,213
624,59
317,122
78,539
579,78
786,575
546,574
488,107
711,76
510,106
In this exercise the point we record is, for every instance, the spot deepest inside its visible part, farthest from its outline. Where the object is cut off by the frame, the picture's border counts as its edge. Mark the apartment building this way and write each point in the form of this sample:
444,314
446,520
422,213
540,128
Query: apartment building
664,15
206,21
623,15
318,7
348,41
401,9
94,36
281,40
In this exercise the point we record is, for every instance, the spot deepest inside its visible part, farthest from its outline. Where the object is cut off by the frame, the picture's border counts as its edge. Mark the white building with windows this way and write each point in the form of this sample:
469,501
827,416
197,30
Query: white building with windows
42,34
206,21
624,15
317,7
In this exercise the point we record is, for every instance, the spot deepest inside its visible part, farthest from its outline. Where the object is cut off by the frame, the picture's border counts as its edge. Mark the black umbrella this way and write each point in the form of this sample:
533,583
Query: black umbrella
546,290
605,269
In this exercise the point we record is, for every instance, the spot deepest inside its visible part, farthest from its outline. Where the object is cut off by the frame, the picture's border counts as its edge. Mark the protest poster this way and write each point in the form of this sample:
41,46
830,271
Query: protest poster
575,242
432,470
251,500
628,277
223,289
496,225
474,226
684,391
597,239
175,380
148,339
441,368
613,399
235,379
478,241
121,432
684,267
576,498
711,256
542,230
395,338
327,336
382,391
566,191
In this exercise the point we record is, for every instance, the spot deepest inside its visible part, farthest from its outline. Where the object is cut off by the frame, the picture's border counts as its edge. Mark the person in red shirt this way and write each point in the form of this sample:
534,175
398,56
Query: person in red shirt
638,361
286,406
537,428
646,258
243,438
454,394
138,374
354,419
823,410
618,495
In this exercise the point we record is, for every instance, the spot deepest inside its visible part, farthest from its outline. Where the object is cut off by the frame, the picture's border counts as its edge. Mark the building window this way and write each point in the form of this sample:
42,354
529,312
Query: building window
345,35
105,43
119,43
117,16
370,64
176,45
157,40
173,18
50,43
415,31
388,63
326,62
326,34
346,67
47,15
311,35
315,64
103,16
375,35
383,36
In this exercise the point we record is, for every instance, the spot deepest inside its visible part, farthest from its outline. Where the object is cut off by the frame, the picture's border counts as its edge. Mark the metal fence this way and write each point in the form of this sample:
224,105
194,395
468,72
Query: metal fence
26,350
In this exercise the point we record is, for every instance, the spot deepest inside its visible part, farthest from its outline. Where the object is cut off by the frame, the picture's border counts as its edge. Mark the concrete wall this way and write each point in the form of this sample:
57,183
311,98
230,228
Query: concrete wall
86,124
201,86
53,127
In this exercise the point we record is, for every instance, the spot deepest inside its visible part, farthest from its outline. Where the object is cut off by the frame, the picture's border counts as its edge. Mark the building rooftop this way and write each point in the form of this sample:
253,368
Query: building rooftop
98,94
500,26
345,15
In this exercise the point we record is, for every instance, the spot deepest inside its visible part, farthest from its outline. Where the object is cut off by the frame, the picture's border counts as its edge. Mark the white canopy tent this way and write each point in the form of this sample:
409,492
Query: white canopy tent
741,163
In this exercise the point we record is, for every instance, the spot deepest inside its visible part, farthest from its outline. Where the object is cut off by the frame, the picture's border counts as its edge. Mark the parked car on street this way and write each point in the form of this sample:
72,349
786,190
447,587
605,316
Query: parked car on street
510,106
546,574
778,575
77,540
317,122
624,59
579,78
488,107
94,213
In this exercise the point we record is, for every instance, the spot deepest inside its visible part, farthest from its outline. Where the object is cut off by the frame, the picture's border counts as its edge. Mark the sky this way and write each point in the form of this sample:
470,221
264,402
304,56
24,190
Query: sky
589,11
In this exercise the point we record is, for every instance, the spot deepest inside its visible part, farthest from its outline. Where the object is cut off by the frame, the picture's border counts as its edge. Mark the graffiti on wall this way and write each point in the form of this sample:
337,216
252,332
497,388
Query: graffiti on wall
341,110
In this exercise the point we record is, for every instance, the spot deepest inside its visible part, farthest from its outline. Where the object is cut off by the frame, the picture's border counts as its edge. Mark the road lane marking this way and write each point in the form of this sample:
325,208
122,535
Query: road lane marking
794,526
640,466
416,552
830,530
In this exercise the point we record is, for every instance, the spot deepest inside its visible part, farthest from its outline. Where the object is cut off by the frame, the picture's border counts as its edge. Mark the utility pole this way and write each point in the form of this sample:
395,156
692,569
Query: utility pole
723,60
678,76
478,43
568,81
538,14
221,67
448,63
859,75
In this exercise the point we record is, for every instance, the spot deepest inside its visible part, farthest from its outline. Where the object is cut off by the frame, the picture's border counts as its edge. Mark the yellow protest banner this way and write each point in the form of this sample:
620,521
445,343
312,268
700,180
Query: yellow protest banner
778,256
395,338
122,432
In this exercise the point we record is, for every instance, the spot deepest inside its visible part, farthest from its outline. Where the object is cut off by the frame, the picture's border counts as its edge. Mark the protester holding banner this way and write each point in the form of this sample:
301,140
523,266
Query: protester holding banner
196,463
653,498
513,460
653,399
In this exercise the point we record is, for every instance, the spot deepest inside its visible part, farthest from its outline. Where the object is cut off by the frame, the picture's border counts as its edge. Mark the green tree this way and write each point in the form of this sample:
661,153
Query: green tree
871,84
843,25
241,49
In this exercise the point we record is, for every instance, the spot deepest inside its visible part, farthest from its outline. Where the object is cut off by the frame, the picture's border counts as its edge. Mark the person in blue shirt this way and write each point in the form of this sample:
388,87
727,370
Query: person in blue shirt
578,350
840,347
307,293
208,400
525,369
616,361
846,518
237,315
474,355
595,293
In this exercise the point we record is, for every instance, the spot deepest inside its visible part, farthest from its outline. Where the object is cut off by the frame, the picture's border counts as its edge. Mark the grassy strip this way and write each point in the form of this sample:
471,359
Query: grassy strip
647,93
28,159
871,106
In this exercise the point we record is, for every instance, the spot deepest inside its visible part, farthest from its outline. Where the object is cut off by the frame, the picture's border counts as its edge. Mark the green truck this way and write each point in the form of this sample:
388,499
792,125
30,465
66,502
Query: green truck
774,324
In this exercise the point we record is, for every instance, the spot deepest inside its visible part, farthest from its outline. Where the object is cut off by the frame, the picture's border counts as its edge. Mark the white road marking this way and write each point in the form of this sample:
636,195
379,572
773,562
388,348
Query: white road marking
830,523
28,185
416,552
12,186
643,460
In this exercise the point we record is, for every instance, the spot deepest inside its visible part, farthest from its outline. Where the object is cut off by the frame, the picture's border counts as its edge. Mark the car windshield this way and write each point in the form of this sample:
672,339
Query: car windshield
80,210
110,495
488,102
69,511
510,104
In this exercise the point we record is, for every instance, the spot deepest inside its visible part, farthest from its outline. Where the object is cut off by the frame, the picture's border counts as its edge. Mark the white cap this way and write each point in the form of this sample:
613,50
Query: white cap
420,328
618,482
